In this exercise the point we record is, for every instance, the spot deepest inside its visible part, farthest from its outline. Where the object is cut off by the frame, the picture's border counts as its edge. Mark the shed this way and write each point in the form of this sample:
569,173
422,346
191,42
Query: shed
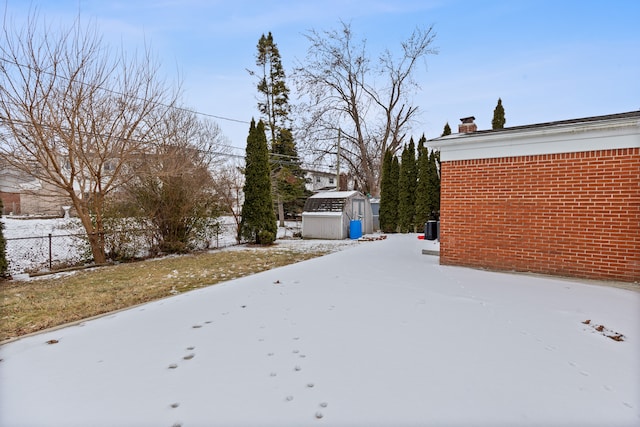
328,215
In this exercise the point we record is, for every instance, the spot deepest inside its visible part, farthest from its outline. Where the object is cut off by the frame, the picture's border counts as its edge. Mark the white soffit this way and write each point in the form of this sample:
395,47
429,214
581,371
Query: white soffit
537,140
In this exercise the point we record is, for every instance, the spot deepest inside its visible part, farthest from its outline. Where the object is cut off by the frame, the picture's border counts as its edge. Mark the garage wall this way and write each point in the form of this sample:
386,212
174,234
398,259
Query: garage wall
573,214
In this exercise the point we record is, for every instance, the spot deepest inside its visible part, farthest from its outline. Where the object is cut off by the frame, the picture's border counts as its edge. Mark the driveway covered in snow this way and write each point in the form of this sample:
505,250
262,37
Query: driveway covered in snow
376,335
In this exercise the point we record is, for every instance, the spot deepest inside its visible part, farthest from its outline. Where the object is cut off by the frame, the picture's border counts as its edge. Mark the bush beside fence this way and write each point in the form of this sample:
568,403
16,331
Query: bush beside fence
53,252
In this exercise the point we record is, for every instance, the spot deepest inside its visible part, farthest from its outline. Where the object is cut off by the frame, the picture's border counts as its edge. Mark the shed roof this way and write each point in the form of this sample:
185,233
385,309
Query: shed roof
335,195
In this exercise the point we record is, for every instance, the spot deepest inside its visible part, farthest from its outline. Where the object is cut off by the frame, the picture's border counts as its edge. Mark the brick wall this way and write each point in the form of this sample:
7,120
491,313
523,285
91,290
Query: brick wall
572,214
11,203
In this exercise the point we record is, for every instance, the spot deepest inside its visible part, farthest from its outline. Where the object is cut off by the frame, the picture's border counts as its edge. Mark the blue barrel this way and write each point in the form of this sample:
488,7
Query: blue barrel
355,229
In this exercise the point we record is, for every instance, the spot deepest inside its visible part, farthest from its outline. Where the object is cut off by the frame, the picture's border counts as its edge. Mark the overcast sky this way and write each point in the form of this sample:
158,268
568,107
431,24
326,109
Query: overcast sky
547,60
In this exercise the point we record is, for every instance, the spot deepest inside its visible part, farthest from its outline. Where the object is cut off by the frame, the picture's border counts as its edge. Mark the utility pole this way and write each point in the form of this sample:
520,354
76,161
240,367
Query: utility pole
338,162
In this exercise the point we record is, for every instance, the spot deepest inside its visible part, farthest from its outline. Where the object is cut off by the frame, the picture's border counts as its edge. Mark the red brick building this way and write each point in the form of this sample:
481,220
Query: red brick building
556,198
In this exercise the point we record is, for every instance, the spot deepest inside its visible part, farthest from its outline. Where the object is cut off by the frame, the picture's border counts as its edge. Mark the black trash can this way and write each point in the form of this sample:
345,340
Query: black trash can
431,230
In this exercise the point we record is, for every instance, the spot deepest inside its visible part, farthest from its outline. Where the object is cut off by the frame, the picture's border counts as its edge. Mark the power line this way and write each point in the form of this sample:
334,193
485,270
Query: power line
188,110
13,62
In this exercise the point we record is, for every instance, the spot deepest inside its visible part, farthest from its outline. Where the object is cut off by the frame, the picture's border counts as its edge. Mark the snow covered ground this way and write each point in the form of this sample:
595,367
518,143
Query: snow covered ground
28,242
374,335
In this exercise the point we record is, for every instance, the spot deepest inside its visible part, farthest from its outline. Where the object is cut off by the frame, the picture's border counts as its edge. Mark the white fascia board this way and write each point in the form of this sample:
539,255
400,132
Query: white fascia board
554,139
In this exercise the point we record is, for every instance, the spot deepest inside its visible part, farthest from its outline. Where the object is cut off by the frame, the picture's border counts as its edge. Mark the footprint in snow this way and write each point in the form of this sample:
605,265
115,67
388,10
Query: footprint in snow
173,366
175,405
324,404
319,415
297,368
288,398
189,356
196,326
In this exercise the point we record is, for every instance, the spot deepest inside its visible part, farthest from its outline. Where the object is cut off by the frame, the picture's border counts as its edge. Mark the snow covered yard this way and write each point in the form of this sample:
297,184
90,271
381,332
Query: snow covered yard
375,335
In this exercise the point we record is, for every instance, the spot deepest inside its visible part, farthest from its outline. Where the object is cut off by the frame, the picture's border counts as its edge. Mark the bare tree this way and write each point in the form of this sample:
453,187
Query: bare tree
368,103
173,185
228,183
74,114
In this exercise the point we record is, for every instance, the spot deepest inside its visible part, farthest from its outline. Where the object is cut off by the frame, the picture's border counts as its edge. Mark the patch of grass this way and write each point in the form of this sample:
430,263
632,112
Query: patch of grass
35,305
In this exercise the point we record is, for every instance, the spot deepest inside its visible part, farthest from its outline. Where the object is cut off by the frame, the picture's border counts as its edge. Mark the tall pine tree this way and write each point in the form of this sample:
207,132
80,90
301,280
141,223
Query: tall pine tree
498,116
422,188
395,179
407,189
288,177
433,192
388,195
258,222
274,93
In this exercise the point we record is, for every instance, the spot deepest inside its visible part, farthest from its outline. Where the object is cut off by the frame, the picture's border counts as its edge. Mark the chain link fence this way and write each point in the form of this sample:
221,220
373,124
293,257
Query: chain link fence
54,251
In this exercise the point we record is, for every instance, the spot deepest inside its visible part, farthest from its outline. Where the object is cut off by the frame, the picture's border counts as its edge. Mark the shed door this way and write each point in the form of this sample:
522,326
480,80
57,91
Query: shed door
357,206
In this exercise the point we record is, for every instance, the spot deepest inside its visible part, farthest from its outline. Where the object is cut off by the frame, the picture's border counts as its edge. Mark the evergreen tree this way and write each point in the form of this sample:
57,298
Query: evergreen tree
407,189
4,264
388,191
395,179
447,130
288,177
274,104
433,188
258,222
498,116
422,189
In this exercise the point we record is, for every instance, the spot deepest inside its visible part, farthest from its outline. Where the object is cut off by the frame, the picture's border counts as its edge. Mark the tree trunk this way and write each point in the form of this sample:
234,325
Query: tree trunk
94,235
281,212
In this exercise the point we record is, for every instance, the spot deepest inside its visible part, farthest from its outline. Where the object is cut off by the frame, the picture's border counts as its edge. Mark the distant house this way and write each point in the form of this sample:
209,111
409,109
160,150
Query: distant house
317,181
329,215
556,198
22,194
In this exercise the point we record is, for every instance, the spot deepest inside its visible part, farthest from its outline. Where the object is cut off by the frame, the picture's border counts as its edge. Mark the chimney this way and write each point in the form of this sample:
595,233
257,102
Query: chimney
467,125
